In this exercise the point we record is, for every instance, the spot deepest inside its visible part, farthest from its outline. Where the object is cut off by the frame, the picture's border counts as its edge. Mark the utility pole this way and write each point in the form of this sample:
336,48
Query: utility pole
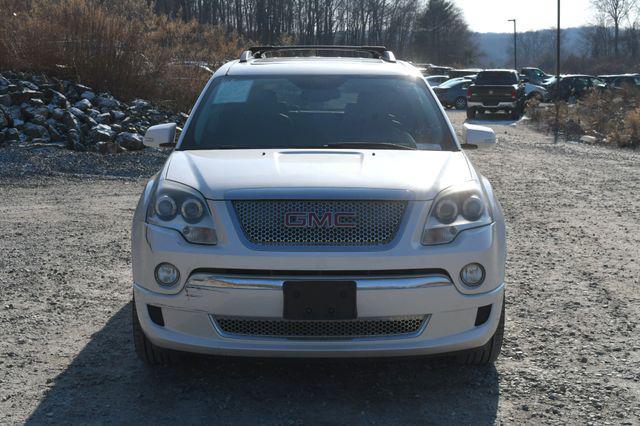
515,44
557,77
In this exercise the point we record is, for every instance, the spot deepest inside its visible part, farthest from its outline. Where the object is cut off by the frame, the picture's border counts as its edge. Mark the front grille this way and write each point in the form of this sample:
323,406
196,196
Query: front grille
321,330
372,223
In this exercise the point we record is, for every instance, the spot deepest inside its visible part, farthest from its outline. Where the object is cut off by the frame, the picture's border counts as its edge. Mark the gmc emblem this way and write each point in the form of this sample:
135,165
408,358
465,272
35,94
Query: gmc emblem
316,220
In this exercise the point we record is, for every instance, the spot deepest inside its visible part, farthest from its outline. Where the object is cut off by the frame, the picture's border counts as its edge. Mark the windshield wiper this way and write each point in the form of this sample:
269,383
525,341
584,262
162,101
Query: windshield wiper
372,145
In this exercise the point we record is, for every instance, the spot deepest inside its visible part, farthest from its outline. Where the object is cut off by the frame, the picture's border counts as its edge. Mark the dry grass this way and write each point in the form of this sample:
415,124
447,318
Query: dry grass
114,45
612,118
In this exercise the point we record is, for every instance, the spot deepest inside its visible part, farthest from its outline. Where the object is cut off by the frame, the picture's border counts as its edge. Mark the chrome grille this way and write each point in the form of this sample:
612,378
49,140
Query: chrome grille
374,222
321,330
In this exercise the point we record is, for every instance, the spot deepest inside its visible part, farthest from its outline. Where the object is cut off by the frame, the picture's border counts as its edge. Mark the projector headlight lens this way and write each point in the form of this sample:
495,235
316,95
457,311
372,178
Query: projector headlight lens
183,209
455,210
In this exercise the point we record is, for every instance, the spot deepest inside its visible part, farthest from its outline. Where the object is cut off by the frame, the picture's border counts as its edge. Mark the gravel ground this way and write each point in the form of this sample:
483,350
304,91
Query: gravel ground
572,348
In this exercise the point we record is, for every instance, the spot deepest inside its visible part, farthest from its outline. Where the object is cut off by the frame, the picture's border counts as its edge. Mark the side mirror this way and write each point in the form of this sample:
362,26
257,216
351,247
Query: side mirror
478,136
161,136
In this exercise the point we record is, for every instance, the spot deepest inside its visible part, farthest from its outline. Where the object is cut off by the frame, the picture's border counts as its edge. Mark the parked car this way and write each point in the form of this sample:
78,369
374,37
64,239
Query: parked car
535,75
621,81
575,86
318,207
494,91
438,70
534,91
436,80
453,93
464,72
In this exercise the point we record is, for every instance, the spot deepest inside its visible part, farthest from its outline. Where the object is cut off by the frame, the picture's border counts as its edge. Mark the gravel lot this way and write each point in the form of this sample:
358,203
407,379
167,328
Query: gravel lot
572,348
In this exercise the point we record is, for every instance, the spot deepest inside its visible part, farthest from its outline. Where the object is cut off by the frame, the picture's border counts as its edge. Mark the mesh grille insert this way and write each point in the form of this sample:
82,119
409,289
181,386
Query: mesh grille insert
370,222
396,327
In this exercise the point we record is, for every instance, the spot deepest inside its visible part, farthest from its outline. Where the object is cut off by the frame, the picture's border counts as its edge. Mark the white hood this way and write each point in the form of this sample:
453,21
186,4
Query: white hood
216,173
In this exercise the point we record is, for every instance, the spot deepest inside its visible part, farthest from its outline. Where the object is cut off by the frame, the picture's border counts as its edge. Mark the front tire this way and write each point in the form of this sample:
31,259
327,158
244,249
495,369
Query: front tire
471,113
489,353
460,103
147,351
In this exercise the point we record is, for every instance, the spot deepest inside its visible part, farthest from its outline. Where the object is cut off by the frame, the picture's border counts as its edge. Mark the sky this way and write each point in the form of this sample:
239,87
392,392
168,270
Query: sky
492,15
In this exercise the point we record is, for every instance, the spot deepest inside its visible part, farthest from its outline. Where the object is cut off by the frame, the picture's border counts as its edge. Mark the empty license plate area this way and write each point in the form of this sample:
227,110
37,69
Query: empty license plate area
320,300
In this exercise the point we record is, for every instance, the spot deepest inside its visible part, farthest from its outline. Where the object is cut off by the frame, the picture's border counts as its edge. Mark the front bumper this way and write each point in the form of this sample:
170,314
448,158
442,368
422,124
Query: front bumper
492,105
190,319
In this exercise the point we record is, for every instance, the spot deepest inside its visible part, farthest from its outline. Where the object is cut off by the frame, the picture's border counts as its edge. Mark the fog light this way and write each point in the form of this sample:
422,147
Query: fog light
167,274
472,274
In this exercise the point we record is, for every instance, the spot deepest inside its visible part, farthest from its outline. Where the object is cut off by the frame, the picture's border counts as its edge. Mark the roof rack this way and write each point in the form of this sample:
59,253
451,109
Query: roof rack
379,52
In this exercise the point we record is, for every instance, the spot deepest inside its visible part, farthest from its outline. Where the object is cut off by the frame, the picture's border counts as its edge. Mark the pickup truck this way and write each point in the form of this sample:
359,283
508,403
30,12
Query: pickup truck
496,90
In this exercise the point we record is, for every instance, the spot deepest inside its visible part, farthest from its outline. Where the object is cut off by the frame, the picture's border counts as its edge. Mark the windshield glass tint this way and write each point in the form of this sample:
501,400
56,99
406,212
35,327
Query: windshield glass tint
496,78
453,83
316,112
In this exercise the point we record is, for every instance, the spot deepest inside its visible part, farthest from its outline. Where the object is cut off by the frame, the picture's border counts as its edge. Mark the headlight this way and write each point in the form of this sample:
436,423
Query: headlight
455,210
183,209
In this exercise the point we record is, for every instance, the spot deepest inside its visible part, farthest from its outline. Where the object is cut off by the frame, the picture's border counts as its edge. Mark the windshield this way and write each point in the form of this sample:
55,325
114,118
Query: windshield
496,78
261,112
453,82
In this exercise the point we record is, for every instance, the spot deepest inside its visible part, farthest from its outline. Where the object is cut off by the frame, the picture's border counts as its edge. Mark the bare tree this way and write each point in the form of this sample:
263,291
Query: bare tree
616,11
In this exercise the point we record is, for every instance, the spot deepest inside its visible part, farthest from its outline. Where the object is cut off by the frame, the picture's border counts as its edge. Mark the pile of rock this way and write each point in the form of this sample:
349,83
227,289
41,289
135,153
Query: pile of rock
38,110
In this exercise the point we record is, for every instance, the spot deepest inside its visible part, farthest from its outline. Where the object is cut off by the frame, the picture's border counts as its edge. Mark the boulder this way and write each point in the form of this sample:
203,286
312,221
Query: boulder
36,102
130,141
140,104
57,114
104,101
11,134
88,95
83,105
103,118
28,85
73,141
58,99
118,115
5,100
5,119
76,112
70,121
24,95
109,148
101,133
35,131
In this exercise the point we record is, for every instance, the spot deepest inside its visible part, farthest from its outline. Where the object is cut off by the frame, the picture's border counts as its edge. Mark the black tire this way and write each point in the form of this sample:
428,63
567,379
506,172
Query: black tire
460,103
147,351
489,353
515,113
471,113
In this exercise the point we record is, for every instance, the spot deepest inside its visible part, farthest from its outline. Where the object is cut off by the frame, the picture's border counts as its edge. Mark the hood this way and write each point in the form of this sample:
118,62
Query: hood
222,174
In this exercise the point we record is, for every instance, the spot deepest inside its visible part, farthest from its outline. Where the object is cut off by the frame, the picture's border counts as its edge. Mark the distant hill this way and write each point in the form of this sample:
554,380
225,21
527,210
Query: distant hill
496,47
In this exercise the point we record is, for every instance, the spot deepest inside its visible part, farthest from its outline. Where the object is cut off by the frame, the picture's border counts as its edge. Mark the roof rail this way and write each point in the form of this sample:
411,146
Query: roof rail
380,52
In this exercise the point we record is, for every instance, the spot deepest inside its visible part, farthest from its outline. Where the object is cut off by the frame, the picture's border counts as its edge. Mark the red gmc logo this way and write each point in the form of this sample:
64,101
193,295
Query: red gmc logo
316,220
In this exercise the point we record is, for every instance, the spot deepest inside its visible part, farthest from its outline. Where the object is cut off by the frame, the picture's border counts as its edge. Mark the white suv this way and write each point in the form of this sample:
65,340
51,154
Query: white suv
318,206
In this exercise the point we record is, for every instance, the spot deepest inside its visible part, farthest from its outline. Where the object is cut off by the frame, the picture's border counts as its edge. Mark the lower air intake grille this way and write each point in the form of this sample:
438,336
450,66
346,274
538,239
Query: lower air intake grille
300,329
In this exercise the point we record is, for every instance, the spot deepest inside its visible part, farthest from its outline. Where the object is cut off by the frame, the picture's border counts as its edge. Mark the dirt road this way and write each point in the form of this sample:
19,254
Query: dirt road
572,349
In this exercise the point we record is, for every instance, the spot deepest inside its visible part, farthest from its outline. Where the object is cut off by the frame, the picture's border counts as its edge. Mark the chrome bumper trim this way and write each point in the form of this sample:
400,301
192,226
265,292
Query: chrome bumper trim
206,281
499,105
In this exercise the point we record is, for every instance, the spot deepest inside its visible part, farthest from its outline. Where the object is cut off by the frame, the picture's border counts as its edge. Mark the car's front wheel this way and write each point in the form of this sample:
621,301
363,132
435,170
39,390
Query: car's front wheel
147,351
460,103
489,353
